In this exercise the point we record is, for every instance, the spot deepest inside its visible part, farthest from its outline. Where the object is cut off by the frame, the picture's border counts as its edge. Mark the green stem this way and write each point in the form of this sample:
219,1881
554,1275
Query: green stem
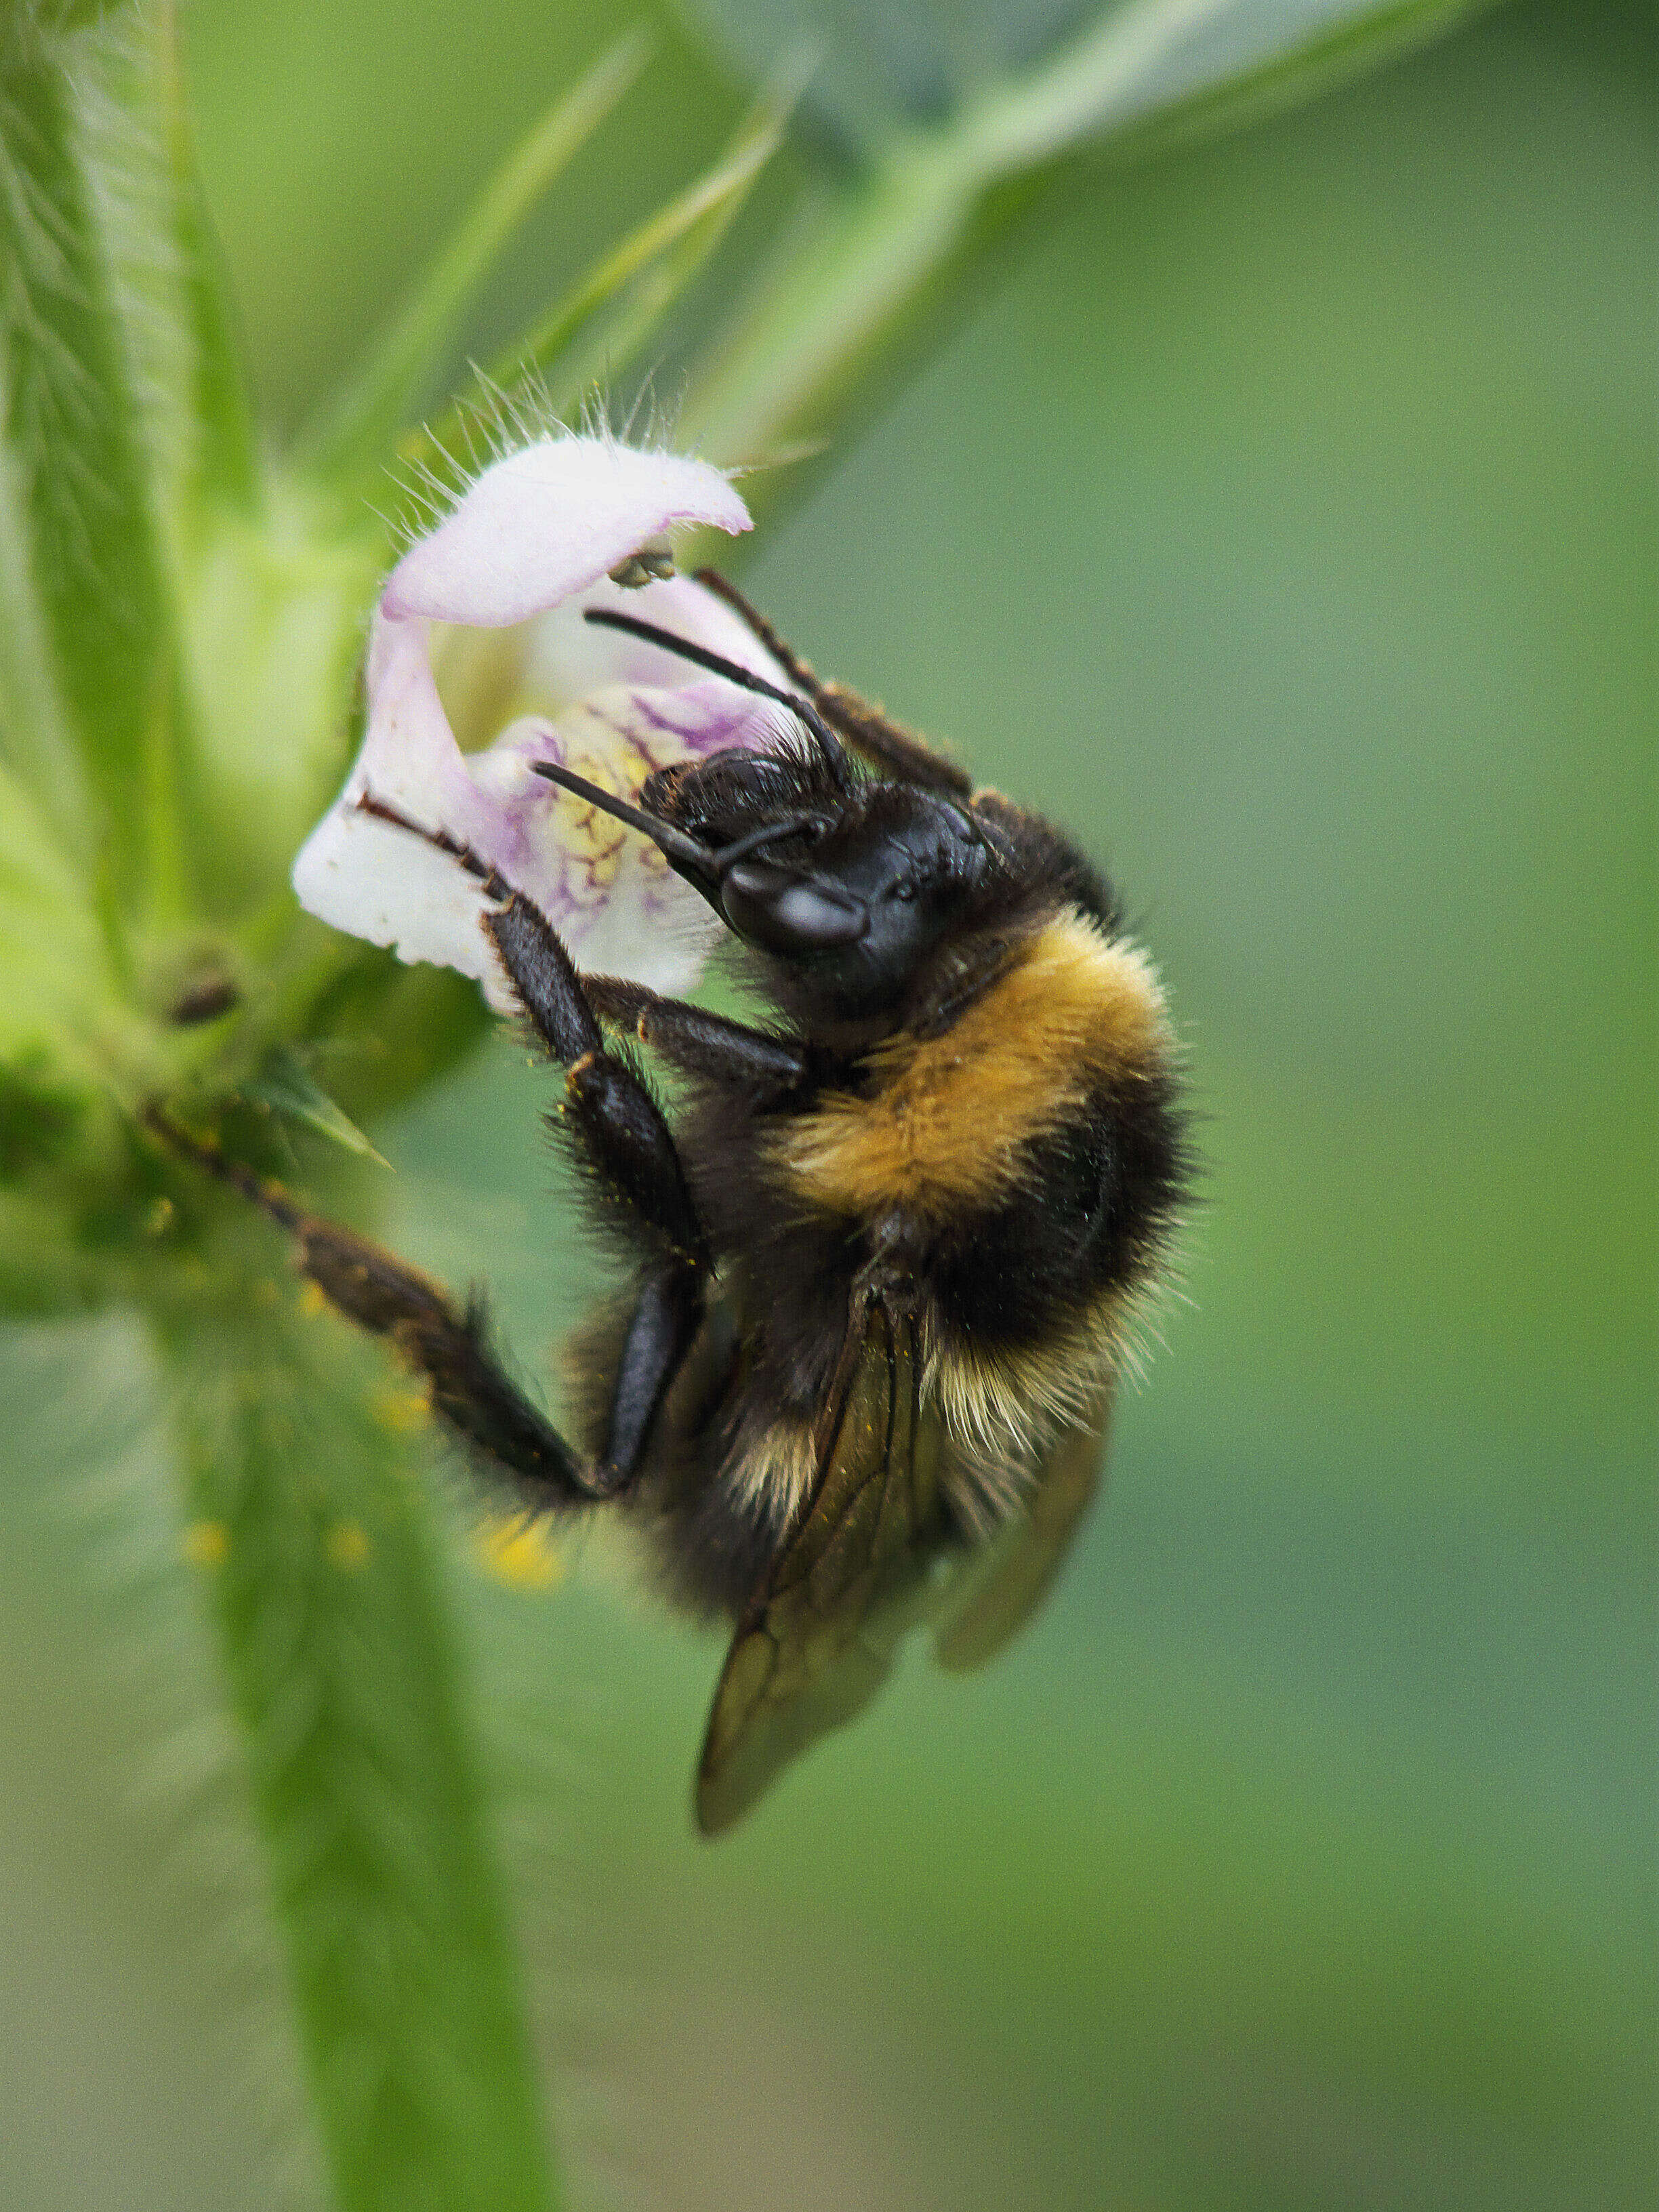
307,1513
810,334
887,262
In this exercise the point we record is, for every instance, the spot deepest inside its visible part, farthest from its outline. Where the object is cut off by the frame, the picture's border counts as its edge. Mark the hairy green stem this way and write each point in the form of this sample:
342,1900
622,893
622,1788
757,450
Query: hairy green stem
76,472
307,1516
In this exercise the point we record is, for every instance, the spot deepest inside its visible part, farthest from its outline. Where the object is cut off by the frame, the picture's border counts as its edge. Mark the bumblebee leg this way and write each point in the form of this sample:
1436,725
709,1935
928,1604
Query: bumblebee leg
450,1348
609,1113
865,728
665,1321
447,1344
606,1108
699,1043
612,1116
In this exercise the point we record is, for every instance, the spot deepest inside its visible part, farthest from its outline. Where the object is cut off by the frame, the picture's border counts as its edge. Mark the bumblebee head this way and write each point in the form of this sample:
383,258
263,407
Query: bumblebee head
850,881
853,889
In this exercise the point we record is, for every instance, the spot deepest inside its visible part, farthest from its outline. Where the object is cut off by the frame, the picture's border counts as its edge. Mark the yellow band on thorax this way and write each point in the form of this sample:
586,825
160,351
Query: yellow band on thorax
950,1117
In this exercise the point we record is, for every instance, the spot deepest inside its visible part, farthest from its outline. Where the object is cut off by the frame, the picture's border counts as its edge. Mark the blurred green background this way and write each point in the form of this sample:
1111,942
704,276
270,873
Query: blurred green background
1285,524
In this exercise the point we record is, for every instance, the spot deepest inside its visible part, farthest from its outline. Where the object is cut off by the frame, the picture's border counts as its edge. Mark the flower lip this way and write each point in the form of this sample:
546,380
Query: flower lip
698,864
546,522
709,869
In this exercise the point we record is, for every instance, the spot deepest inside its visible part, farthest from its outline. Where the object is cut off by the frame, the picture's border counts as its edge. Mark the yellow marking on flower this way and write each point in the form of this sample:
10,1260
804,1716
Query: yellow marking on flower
346,1546
519,1553
588,833
311,1300
403,1411
604,871
206,1544
159,1219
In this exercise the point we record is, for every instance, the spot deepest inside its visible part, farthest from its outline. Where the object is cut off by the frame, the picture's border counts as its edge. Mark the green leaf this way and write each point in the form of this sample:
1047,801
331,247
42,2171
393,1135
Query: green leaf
901,241
26,26
44,1271
603,319
85,599
356,435
1143,64
285,1085
879,64
885,67
61,995
1299,73
225,458
307,1520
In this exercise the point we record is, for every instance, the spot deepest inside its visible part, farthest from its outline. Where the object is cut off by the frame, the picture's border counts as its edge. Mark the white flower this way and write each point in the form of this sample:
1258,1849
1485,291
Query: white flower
528,547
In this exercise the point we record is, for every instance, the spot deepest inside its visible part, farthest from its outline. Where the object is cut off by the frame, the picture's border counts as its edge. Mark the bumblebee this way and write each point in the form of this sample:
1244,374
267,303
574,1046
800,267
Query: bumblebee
886,1262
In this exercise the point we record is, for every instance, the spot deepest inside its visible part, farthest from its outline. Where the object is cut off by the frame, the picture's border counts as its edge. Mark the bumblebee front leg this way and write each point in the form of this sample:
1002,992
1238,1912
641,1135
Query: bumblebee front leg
618,1127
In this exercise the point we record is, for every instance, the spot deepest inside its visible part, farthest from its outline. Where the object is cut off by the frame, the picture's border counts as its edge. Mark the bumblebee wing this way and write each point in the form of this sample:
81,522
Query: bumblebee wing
997,1588
819,1639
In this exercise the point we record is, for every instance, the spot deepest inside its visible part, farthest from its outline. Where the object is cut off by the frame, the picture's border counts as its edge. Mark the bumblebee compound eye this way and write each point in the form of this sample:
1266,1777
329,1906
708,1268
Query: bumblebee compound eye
791,914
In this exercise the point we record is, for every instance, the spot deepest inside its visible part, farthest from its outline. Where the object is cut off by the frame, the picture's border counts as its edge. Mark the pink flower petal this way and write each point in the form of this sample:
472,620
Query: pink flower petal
568,656
605,888
548,521
534,537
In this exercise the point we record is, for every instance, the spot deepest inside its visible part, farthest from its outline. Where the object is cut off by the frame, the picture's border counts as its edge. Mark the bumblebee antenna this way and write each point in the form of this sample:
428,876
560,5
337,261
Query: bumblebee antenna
712,862
696,861
834,752
685,852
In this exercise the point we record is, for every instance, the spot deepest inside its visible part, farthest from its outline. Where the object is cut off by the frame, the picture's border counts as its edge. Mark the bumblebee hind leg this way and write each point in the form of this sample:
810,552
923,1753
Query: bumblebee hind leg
447,1344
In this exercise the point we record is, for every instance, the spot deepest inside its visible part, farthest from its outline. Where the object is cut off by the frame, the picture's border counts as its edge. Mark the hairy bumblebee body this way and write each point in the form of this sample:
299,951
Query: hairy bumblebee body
886,1263
1001,1164
932,1227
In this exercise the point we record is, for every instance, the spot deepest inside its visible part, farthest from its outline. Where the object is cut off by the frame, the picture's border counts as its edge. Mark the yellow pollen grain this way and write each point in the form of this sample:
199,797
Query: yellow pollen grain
403,1411
311,1300
520,1554
346,1546
206,1544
